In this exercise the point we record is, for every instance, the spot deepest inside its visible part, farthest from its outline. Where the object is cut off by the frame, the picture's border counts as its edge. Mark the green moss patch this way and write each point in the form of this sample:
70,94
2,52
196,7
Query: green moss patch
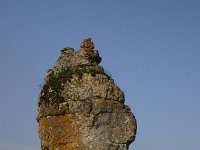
51,92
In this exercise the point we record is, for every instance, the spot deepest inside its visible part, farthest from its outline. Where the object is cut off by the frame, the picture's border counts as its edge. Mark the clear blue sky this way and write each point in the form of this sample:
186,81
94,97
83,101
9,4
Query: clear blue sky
151,48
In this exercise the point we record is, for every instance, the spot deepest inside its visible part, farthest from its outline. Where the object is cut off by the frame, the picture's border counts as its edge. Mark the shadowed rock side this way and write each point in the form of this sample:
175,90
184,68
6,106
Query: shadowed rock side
81,108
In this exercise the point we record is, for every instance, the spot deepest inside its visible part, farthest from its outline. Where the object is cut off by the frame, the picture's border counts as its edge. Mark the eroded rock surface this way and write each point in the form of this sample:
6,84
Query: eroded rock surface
81,108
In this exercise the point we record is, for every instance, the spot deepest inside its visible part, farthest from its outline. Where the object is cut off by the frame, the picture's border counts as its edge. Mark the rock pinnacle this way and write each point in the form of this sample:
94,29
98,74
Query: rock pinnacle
80,107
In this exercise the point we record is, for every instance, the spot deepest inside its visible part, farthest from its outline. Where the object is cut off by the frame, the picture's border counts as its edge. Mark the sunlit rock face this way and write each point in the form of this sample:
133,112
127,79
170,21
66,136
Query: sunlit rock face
80,107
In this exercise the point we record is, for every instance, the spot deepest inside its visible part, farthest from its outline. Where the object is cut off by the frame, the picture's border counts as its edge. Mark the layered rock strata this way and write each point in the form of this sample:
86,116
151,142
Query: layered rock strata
80,107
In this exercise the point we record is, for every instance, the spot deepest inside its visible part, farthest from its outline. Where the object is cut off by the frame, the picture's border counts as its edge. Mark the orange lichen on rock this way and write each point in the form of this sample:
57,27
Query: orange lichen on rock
59,132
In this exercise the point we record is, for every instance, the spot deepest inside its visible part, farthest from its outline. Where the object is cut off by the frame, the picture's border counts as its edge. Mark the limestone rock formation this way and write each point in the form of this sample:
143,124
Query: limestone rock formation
80,107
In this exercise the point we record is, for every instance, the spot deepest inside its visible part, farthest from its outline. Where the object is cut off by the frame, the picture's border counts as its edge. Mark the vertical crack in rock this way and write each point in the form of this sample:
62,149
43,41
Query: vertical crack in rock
80,107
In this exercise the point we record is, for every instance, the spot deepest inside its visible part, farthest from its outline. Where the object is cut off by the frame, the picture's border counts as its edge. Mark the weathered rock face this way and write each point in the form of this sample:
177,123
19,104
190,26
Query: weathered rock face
81,108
